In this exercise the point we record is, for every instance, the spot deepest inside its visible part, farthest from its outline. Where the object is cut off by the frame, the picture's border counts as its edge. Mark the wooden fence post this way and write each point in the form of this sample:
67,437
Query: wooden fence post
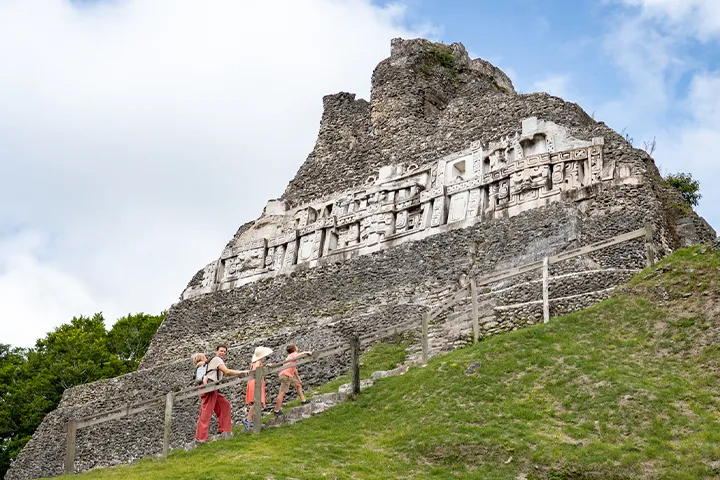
425,323
649,247
257,400
70,447
476,325
355,367
546,289
169,400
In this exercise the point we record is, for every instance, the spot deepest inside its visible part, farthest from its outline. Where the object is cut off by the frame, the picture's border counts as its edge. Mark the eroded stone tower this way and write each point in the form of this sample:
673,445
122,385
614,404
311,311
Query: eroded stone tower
444,174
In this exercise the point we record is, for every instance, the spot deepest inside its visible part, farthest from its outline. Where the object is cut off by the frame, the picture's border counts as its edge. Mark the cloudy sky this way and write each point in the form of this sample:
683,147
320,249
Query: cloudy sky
136,135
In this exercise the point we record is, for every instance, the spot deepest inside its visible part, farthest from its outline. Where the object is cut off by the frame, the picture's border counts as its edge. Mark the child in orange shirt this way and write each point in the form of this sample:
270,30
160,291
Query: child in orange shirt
260,353
290,378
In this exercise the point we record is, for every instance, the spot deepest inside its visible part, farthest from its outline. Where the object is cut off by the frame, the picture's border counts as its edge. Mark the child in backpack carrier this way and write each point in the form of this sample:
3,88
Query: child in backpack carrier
201,369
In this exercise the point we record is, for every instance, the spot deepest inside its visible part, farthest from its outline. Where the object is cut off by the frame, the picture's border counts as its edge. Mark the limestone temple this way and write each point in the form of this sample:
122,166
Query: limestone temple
444,174
501,178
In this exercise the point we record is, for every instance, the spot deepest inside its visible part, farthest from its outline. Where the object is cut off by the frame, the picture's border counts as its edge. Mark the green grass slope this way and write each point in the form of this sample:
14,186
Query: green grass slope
626,389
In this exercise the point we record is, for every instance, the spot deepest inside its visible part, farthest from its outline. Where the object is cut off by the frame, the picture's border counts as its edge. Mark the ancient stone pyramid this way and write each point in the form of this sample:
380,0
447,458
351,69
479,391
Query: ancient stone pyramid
446,173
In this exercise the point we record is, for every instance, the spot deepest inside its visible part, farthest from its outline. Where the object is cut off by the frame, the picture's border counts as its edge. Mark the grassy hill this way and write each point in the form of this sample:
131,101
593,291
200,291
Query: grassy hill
626,389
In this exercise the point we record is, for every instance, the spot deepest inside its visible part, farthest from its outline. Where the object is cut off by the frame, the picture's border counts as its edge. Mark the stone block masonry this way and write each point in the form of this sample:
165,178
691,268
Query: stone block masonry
444,173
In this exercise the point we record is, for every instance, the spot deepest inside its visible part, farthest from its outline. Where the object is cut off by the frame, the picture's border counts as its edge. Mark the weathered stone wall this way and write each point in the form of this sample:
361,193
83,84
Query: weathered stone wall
401,274
560,286
539,165
517,302
141,435
427,100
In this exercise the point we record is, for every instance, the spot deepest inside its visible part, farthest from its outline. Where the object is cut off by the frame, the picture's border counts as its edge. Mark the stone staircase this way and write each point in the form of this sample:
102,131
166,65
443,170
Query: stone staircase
320,403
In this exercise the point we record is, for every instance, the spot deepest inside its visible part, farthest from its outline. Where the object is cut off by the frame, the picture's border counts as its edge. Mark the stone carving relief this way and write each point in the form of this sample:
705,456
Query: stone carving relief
209,272
306,248
290,253
558,176
500,178
503,192
573,176
247,258
529,184
458,207
414,221
279,256
473,207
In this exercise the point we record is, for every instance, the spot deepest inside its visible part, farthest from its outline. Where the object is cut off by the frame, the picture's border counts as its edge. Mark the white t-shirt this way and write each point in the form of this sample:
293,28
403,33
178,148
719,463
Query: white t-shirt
215,375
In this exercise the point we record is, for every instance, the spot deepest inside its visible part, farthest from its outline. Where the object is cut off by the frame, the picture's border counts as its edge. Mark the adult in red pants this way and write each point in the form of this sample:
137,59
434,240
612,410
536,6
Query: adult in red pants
214,401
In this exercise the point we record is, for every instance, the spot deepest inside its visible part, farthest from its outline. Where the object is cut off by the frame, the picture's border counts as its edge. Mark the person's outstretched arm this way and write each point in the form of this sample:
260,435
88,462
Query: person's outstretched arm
230,371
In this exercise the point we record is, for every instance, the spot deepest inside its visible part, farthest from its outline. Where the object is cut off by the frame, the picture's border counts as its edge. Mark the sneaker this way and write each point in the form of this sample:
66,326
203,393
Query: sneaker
226,435
305,402
278,413
198,442
248,425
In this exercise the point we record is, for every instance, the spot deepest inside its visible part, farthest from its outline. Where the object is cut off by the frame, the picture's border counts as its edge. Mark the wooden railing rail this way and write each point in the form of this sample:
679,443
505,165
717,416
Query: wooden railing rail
394,330
544,265
448,303
171,398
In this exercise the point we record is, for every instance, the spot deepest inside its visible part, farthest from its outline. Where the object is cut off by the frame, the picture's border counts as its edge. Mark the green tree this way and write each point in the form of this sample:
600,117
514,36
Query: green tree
32,381
74,354
130,337
11,436
688,187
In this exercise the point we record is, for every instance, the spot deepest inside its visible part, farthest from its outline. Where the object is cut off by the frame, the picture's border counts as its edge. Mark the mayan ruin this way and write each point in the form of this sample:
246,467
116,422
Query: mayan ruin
444,174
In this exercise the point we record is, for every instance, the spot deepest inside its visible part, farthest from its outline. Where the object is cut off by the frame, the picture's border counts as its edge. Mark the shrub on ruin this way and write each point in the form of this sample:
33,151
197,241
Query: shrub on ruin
688,187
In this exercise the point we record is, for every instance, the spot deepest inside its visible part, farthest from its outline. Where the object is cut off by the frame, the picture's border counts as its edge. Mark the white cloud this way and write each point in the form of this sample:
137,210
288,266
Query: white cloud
554,84
650,51
647,63
696,17
685,145
704,102
135,137
24,283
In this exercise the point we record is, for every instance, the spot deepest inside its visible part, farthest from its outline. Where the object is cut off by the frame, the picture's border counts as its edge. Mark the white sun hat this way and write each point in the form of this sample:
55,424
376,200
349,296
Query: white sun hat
261,352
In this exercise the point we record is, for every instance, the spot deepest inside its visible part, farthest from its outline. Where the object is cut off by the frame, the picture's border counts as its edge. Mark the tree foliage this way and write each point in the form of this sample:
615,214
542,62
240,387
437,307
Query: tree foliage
33,380
11,420
130,337
688,187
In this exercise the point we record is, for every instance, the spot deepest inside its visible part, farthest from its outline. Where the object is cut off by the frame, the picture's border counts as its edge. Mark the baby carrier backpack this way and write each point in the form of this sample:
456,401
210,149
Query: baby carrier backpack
200,372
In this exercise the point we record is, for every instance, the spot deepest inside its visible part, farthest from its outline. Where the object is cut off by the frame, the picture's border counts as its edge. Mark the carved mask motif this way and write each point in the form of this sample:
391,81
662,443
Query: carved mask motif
557,175
503,189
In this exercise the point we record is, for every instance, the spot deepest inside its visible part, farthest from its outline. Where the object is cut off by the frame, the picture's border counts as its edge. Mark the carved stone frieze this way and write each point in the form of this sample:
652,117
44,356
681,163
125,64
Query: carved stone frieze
503,177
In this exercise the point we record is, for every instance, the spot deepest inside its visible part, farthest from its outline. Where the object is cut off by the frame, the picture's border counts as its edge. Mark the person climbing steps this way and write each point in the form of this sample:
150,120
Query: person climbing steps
290,378
256,362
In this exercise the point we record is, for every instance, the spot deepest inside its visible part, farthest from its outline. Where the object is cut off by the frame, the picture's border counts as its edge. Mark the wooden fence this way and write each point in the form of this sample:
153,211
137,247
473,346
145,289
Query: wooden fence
171,398
353,345
544,264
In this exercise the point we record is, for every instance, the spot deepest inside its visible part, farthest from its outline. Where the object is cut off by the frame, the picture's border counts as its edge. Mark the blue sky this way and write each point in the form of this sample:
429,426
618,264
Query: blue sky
531,38
586,51
136,136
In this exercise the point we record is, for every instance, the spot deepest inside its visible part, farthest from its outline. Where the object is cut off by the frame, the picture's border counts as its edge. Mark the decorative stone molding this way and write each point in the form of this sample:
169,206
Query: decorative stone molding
501,178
